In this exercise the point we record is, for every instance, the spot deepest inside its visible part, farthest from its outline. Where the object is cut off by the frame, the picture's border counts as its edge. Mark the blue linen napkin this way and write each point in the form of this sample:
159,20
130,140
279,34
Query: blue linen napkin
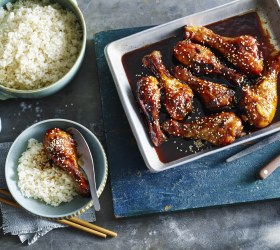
17,221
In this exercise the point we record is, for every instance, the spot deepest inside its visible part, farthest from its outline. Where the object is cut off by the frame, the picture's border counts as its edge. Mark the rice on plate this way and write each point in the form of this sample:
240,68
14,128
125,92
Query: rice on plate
41,180
39,43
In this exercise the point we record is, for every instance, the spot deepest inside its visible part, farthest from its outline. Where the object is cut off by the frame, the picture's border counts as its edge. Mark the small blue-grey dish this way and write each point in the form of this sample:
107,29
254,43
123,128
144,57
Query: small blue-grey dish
65,210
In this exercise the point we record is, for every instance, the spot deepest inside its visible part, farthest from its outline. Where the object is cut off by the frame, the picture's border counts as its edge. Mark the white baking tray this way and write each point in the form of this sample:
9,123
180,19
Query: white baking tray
267,10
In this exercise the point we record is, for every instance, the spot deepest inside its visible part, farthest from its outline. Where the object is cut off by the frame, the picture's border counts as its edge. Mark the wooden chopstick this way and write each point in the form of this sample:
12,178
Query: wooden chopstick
73,222
11,203
5,192
92,226
85,229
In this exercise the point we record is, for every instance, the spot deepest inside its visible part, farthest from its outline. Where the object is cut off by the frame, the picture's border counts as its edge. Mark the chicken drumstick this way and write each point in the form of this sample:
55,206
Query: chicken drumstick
241,51
219,129
213,95
60,147
148,97
202,60
259,102
177,96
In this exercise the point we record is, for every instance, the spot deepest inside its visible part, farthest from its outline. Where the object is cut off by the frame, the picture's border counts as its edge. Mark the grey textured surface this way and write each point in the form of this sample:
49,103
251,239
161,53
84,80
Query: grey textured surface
247,226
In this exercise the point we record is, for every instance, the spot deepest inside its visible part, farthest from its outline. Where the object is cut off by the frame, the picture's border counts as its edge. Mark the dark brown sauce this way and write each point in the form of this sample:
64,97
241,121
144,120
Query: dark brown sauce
247,24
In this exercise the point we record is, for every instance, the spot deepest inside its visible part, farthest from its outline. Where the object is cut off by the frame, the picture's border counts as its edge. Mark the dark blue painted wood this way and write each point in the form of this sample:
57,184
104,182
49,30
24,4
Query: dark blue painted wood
206,182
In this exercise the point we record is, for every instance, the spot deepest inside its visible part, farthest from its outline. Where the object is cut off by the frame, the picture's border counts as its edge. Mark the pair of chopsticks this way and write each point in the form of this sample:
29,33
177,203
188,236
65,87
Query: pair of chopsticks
72,222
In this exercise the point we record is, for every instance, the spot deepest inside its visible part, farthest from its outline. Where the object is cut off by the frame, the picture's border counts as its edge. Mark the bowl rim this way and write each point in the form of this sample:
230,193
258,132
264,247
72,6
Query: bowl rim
76,64
102,183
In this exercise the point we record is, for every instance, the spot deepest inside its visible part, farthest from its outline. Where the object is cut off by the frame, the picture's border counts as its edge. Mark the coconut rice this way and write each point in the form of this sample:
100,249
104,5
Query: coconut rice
39,43
39,179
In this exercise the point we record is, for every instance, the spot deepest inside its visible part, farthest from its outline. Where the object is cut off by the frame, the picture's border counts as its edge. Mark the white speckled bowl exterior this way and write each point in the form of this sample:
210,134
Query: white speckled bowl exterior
7,93
65,210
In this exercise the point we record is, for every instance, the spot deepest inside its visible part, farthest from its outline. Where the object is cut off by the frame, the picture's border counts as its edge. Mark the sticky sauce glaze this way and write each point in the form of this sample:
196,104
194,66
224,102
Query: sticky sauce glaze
247,24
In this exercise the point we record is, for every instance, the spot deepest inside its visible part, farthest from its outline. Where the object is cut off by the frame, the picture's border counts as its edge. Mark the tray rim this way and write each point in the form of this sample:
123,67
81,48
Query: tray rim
117,46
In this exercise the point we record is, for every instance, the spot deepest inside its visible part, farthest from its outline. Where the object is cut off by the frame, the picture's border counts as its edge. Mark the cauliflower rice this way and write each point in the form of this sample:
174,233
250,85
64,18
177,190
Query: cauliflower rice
39,179
39,43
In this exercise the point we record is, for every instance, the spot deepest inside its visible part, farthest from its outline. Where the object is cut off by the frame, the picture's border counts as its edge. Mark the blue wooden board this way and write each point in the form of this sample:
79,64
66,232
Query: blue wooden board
209,181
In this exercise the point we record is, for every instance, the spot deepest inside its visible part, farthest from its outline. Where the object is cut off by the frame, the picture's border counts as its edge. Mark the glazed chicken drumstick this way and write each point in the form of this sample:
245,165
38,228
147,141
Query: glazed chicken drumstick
148,97
60,147
213,95
178,96
241,51
202,60
259,102
219,129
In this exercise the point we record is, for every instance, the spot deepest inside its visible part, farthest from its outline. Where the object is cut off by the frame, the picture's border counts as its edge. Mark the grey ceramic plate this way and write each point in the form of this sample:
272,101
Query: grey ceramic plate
78,204
267,10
